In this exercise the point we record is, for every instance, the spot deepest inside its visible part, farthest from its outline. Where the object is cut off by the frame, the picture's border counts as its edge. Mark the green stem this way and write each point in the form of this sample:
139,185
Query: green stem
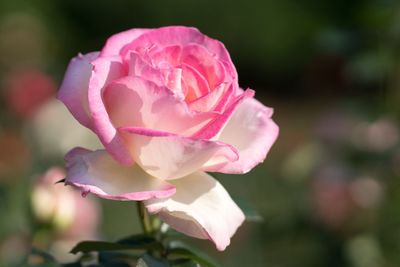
144,218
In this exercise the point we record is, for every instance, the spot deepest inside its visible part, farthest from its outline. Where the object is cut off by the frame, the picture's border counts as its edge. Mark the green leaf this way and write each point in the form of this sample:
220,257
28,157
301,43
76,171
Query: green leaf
181,250
149,261
142,240
184,262
139,244
89,246
113,256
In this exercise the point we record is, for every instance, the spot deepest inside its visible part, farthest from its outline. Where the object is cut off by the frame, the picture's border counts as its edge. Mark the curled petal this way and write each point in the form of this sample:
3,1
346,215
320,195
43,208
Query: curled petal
182,36
106,69
118,41
139,67
74,88
169,156
200,208
214,100
214,127
205,63
135,102
258,132
194,83
170,55
96,172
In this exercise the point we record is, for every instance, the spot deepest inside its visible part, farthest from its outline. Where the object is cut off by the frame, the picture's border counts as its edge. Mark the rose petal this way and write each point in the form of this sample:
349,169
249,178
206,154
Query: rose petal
165,75
200,208
206,64
214,100
170,55
214,127
139,67
96,172
117,42
132,101
106,69
74,88
257,131
173,80
195,84
169,156
183,36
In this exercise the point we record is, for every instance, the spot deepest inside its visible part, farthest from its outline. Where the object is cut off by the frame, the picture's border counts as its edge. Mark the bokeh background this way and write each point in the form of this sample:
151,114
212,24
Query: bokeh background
328,193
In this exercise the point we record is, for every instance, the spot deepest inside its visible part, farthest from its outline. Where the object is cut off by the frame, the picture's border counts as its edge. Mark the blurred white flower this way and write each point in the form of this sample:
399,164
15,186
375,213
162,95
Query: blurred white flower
56,131
71,217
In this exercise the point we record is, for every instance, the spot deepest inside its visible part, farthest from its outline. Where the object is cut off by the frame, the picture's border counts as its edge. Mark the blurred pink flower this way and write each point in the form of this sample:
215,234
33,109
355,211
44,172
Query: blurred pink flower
63,208
332,197
332,202
166,104
25,91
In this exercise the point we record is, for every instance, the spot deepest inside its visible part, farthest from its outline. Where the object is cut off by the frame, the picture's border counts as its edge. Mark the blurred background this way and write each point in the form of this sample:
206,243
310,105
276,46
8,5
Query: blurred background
328,193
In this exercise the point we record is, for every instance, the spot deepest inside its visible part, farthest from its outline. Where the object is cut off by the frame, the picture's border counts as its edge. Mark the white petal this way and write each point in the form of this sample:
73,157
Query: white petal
98,173
200,208
169,156
252,132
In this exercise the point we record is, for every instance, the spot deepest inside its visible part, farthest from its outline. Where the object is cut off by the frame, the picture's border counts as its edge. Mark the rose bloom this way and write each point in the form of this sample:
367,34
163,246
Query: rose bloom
167,107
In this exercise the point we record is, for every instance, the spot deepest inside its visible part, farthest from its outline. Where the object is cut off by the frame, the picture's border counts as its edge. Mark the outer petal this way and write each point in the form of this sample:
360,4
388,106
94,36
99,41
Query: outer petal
169,156
116,42
96,172
74,88
106,70
250,130
200,208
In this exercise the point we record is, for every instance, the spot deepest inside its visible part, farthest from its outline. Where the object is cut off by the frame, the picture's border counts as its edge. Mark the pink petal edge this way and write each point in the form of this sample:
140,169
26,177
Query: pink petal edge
106,69
252,132
85,173
74,88
116,42
213,128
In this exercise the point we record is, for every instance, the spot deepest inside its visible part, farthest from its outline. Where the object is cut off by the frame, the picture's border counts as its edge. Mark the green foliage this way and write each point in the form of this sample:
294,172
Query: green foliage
136,242
144,251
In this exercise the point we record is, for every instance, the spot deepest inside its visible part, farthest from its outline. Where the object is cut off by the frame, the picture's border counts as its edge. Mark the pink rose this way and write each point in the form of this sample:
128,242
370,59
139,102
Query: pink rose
167,107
